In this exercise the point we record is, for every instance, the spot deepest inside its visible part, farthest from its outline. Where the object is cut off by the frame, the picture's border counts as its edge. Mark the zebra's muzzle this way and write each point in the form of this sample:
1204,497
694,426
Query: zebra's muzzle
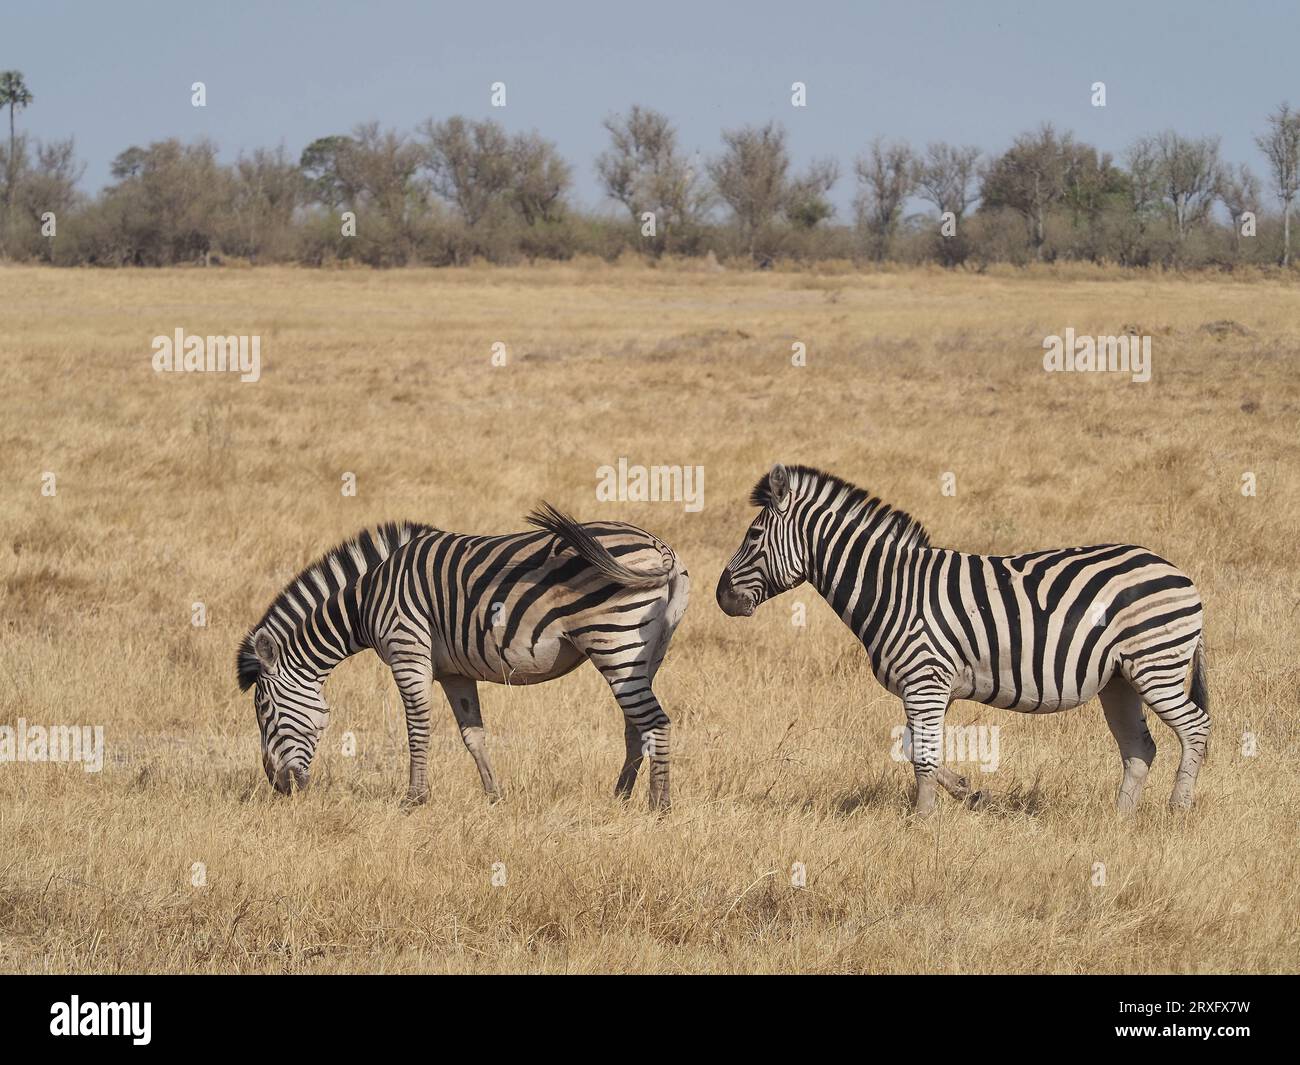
731,601
287,780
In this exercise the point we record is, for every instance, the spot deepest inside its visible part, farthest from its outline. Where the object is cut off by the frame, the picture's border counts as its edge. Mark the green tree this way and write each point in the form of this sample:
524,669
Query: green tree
1030,178
541,179
806,204
14,95
168,205
324,165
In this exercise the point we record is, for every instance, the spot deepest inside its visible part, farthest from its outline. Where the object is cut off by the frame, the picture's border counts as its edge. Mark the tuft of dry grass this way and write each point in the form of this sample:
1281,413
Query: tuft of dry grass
179,489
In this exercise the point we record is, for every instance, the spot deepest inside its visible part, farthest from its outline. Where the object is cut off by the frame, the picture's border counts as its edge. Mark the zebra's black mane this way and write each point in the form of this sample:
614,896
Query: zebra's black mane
334,571
847,497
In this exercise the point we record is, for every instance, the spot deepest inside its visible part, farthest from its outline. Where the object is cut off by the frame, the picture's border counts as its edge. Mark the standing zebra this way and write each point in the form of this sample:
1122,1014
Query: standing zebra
1037,633
439,606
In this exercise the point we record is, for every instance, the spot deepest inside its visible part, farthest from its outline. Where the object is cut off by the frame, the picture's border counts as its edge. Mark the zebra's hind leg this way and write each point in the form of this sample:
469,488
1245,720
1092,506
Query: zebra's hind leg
1137,750
1161,685
627,777
657,742
957,785
653,736
462,693
647,733
629,664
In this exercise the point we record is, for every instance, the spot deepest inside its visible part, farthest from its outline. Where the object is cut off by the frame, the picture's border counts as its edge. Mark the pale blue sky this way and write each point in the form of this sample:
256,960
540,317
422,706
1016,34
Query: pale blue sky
116,74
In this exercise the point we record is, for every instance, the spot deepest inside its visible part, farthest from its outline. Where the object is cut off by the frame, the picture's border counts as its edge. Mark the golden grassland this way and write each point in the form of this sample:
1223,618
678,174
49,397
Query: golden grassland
177,489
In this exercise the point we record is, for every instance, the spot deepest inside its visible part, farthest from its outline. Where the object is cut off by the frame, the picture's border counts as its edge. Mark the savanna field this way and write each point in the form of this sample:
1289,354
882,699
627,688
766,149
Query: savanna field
181,489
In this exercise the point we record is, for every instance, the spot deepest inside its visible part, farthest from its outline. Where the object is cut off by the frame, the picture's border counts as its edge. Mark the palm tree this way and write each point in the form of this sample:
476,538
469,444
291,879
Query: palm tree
14,95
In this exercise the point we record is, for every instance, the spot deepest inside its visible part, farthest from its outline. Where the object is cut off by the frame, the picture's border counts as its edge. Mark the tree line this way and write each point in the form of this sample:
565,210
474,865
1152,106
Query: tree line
459,189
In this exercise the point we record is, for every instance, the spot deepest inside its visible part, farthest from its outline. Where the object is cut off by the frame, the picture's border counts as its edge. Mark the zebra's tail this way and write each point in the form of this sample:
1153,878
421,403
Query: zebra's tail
1200,689
575,535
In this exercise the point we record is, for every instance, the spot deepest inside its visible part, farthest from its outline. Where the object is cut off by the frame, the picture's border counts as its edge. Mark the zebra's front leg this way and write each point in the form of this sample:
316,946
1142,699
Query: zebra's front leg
925,709
462,693
414,682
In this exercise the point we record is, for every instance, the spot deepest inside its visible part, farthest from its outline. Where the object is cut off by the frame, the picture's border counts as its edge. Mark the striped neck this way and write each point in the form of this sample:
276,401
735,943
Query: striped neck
848,537
317,620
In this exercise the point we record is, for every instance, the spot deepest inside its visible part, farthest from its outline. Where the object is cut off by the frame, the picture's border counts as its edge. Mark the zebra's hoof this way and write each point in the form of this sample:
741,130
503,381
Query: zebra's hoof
412,799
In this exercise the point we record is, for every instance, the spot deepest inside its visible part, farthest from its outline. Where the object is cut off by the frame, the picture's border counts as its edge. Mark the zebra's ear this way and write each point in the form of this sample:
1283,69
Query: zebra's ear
267,650
778,483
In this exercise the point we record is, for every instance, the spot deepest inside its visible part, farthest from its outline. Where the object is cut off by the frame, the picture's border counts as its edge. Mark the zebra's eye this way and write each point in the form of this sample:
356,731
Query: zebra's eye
754,535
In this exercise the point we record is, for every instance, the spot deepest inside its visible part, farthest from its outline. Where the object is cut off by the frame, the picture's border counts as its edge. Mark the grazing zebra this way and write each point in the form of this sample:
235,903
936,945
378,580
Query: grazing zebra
1036,633
439,606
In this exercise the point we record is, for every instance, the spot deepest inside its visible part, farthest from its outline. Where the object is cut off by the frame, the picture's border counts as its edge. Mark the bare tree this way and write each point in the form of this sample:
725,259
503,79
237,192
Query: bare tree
1144,177
644,171
470,164
49,173
1143,200
484,172
1281,147
945,177
1239,190
383,165
1188,171
52,183
887,174
267,189
752,177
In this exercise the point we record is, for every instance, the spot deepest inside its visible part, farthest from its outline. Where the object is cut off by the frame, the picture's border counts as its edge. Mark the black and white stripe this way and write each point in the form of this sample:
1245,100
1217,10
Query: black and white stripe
457,609
1037,633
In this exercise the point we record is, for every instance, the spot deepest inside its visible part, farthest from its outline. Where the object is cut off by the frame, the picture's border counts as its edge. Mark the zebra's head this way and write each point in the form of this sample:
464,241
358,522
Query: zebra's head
771,557
290,707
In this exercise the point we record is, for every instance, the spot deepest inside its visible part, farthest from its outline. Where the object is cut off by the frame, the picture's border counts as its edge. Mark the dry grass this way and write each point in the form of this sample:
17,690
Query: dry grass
185,487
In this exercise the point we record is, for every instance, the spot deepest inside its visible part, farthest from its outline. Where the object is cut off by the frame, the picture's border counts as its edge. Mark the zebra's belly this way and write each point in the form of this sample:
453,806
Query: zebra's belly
547,659
1029,699
1005,689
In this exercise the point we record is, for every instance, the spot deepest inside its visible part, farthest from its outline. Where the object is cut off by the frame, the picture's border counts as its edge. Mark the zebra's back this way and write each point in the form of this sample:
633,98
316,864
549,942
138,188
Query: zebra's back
519,608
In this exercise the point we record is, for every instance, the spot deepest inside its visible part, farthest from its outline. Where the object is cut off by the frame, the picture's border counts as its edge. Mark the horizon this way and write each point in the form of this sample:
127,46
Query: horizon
964,86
